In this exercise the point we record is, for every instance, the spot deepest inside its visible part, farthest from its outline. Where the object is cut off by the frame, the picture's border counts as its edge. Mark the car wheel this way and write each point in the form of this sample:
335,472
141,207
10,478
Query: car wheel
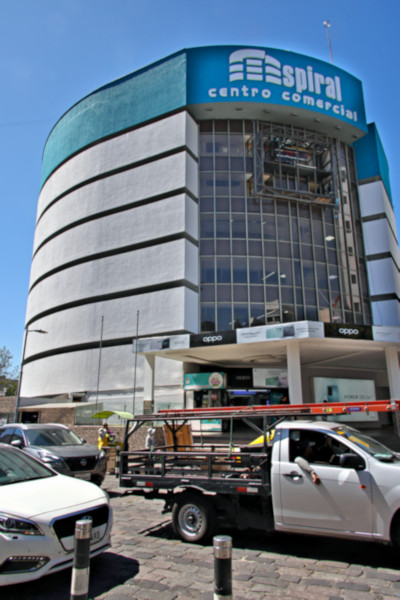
96,479
193,518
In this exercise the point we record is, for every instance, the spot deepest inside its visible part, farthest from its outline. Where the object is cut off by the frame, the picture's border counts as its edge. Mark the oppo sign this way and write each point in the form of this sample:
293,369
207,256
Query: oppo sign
214,338
211,339
348,331
361,332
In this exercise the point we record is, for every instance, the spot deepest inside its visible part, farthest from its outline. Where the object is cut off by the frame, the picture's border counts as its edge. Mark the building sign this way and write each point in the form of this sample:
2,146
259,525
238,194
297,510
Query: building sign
336,389
204,381
214,338
268,378
174,342
271,76
300,329
348,331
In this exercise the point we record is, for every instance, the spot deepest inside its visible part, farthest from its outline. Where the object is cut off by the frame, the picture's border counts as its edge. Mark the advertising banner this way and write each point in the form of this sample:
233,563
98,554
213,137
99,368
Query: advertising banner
336,389
269,378
272,76
174,342
300,329
386,334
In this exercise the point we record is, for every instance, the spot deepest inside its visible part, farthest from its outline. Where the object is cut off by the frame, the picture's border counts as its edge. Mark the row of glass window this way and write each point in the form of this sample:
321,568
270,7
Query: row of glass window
264,206
262,249
223,317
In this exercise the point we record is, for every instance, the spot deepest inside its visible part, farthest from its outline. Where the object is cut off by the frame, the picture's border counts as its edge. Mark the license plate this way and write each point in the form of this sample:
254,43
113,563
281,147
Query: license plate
85,476
96,535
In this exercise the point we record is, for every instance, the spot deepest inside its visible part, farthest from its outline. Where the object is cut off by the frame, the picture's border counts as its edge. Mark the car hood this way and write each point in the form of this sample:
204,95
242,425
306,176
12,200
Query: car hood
40,496
68,451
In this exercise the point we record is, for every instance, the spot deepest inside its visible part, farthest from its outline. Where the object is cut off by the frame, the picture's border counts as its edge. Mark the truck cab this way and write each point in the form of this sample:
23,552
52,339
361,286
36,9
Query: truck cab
358,493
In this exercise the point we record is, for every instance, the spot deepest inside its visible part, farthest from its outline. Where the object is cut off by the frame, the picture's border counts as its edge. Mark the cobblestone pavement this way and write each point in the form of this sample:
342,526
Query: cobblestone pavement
147,562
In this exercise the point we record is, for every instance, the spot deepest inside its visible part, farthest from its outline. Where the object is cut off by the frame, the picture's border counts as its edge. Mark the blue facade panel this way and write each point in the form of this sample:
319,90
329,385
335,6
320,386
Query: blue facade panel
371,158
215,74
127,102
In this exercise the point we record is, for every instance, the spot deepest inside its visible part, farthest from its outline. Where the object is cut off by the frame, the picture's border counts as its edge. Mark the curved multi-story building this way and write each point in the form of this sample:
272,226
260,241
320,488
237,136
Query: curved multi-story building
219,189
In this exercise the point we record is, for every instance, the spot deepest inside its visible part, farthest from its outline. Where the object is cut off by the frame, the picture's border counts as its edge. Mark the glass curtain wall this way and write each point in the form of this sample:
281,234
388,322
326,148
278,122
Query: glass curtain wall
280,229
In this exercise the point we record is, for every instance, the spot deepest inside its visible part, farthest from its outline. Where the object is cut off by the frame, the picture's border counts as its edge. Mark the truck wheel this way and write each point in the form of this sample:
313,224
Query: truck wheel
395,530
193,518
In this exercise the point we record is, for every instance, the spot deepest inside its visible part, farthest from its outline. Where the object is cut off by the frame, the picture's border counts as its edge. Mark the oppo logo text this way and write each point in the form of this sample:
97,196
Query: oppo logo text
212,338
349,331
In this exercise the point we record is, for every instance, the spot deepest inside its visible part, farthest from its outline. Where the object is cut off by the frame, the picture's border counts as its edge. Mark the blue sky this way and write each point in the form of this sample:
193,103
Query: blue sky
54,52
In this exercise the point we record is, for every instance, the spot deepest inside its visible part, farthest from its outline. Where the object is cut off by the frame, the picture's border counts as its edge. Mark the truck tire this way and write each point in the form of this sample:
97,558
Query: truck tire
395,530
193,518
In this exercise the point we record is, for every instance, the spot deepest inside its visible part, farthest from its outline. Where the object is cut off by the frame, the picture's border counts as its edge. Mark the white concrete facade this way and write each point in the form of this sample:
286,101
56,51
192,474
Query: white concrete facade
117,233
382,253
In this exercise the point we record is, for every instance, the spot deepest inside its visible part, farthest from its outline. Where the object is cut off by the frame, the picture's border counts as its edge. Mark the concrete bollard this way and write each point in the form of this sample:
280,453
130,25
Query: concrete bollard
80,569
222,567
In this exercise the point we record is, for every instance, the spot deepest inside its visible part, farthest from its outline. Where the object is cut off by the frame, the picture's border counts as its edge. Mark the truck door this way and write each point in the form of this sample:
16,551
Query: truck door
342,501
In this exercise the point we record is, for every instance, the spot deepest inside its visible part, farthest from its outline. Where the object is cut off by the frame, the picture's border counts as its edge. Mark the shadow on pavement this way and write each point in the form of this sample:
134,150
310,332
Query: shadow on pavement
300,546
320,548
106,572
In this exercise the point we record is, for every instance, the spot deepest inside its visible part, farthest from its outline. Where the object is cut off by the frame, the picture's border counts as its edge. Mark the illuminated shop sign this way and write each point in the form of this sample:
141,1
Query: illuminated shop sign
215,338
266,75
348,331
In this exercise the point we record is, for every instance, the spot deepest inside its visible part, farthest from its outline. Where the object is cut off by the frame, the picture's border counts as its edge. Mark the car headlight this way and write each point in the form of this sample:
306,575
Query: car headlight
102,455
11,524
46,457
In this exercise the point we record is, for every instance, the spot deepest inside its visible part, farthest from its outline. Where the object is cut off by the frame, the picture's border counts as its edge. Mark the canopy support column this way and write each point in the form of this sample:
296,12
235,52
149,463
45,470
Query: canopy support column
294,372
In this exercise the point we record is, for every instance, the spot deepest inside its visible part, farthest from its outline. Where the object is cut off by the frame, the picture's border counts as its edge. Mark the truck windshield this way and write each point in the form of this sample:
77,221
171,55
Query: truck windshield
373,447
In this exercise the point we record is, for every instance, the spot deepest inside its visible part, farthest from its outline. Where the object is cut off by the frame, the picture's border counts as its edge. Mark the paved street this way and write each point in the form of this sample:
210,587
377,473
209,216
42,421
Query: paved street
147,562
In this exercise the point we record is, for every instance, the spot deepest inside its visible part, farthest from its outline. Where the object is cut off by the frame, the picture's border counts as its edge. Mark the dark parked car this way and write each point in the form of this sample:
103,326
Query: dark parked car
59,447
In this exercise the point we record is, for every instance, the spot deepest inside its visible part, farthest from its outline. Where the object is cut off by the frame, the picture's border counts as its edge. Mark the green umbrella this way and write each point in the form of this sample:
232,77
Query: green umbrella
105,414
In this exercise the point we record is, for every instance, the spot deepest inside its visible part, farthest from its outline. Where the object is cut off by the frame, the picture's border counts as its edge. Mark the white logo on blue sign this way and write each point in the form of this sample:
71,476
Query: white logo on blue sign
254,74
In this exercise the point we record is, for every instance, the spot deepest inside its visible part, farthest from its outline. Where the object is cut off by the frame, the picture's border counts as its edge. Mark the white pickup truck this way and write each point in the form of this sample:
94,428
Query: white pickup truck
314,477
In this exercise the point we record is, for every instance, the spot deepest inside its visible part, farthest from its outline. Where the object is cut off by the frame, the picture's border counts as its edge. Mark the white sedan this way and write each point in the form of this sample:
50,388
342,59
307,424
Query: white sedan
38,511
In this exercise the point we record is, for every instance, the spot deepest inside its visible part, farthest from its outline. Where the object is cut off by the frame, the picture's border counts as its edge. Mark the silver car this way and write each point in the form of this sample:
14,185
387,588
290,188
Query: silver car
59,447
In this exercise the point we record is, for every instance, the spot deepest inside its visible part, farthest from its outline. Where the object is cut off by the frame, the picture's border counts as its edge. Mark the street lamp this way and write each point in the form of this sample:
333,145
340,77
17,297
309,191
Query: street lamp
17,399
327,25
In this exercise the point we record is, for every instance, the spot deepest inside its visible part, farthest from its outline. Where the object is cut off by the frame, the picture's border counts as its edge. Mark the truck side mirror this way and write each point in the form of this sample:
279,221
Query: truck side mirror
351,461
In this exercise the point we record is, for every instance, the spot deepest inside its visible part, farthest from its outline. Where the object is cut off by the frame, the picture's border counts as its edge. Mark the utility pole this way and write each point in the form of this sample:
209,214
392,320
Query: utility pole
134,374
99,365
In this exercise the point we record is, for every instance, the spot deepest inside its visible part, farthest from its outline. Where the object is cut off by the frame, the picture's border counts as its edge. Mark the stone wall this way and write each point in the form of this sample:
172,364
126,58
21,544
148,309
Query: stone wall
65,415
7,405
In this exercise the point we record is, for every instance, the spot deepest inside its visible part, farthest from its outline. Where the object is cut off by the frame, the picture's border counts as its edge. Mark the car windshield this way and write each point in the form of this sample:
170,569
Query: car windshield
366,443
52,437
16,466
